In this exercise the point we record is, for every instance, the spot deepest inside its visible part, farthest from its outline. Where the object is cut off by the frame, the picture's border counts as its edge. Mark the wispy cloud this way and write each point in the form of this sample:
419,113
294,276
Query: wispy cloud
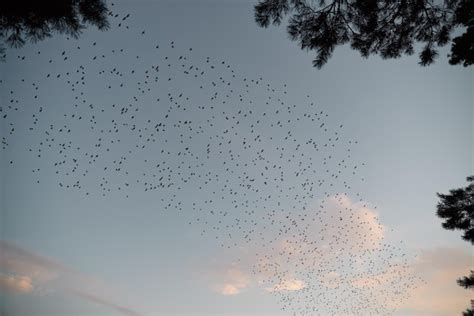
25,272
15,283
101,301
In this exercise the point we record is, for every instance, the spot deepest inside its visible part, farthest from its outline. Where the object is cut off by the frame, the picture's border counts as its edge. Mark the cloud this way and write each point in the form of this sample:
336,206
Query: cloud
16,284
283,268
288,285
232,281
362,227
32,273
229,289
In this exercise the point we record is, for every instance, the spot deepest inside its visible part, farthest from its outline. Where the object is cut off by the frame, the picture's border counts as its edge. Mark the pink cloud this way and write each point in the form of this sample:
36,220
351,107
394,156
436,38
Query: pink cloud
229,289
16,284
287,285
232,280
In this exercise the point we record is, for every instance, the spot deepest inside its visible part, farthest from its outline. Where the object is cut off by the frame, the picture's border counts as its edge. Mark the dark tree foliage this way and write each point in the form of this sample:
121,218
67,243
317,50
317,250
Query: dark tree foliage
457,209
467,282
462,49
34,20
389,28
469,311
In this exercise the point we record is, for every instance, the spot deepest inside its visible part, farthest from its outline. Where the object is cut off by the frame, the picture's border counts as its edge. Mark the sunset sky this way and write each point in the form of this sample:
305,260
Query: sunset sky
67,253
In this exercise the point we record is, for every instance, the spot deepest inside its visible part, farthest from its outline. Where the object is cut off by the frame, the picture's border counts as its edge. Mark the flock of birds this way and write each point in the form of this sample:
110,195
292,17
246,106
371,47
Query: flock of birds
250,164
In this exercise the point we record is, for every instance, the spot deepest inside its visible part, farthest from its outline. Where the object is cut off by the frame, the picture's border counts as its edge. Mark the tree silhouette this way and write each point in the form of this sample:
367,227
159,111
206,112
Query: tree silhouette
457,209
467,282
389,28
23,20
462,49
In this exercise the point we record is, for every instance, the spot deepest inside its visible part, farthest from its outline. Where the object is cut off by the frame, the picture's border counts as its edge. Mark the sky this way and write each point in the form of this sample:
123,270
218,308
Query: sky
265,142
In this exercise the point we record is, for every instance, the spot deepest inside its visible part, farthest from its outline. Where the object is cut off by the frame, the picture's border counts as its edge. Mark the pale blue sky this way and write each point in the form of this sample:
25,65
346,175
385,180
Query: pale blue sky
413,126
